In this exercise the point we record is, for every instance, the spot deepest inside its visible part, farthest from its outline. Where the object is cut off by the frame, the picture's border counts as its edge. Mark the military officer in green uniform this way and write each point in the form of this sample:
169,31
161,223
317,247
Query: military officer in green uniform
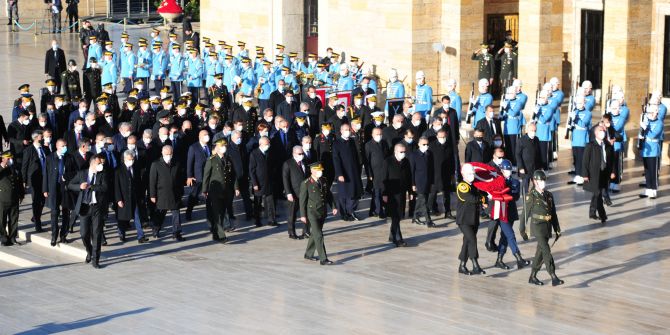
314,196
508,60
11,195
486,62
541,209
219,186
470,202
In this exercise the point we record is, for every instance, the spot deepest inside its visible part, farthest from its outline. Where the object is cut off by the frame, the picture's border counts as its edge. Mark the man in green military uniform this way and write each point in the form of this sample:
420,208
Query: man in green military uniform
541,209
11,195
508,69
486,63
218,183
314,196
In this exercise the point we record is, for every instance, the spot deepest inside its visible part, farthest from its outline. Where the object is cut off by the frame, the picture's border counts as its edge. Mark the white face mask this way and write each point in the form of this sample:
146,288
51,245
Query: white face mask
163,137
507,173
346,134
409,140
442,140
423,148
263,133
109,119
312,95
397,125
372,105
25,122
306,146
600,135
437,128
300,123
356,127
497,143
416,123
298,158
400,156
531,134
78,128
264,148
51,88
222,150
318,174
42,124
540,184
181,112
289,99
167,158
99,167
326,132
47,140
129,163
131,146
146,141
377,138
358,102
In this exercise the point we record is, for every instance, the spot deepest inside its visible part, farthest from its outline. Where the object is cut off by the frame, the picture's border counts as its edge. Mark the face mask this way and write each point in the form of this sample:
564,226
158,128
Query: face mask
140,87
312,95
90,123
47,140
298,158
416,123
108,119
377,122
110,147
163,137
264,148
318,174
540,184
205,139
507,173
356,127
25,122
247,108
497,160
51,88
419,82
289,99
346,134
62,151
54,47
326,132
263,133
531,134
42,124
306,146
377,138
479,139
437,128
497,143
409,140
99,168
222,150
300,123
372,105
181,112
469,177
400,156
238,140
442,140
445,107
131,146
364,86
423,148
59,104
99,145
600,135
357,102
226,133
78,128
129,163
167,158
146,141
397,126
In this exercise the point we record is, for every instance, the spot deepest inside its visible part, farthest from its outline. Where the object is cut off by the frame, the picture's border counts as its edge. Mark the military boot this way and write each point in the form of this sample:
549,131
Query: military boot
476,269
463,269
555,281
500,263
520,262
533,278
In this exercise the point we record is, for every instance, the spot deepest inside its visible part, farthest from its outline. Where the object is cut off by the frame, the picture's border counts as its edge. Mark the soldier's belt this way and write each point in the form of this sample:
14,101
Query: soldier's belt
541,217
651,140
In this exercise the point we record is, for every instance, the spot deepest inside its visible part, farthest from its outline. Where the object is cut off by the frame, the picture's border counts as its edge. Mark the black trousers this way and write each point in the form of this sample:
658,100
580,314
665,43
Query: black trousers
9,221
293,208
421,209
597,204
72,18
37,204
192,200
176,88
158,85
469,246
651,172
91,228
510,148
618,167
267,202
160,215
243,184
347,205
64,229
376,204
393,209
578,157
545,151
446,200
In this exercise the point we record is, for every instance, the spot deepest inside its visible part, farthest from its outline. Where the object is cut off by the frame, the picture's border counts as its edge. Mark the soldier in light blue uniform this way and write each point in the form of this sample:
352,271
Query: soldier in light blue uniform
354,70
545,118
194,75
248,78
212,67
173,41
321,77
127,67
394,90
267,82
155,37
512,115
295,63
176,73
258,63
311,63
581,126
143,65
557,97
94,50
618,125
124,41
109,46
159,66
589,98
482,101
284,57
345,82
230,71
424,96
334,64
521,97
243,53
651,132
288,78
109,71
455,99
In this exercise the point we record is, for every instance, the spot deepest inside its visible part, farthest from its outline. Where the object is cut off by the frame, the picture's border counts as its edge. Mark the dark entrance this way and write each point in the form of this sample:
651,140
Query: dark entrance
311,27
666,58
591,58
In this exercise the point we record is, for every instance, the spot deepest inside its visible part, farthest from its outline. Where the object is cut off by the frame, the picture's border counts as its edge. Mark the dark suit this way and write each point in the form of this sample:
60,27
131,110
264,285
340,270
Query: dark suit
397,183
444,173
347,166
375,155
392,136
598,173
58,199
421,167
54,65
281,147
32,172
16,132
167,187
239,155
89,210
293,174
260,174
527,159
195,164
287,110
478,153
128,189
485,126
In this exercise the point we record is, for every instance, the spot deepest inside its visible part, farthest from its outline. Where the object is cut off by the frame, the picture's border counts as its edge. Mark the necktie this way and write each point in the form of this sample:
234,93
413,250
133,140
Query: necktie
283,138
60,168
603,161
206,148
130,172
493,129
301,167
42,158
111,159
78,138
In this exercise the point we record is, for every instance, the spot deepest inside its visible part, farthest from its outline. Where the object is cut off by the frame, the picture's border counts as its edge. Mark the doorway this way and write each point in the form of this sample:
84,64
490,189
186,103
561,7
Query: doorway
591,58
311,27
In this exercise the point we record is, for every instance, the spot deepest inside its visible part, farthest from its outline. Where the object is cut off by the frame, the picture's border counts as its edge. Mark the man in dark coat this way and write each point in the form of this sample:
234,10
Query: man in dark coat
54,63
294,172
195,164
376,152
395,132
443,169
240,157
597,168
71,84
490,126
165,191
54,186
347,174
288,107
92,81
528,156
91,184
129,197
260,162
423,178
397,182
315,107
18,138
34,164
478,150
11,196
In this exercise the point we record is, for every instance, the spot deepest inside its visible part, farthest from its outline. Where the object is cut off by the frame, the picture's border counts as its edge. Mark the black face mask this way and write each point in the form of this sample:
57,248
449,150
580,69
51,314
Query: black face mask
479,139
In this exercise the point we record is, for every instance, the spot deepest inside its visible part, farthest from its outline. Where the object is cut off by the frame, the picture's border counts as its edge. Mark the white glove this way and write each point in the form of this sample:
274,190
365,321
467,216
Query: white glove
644,125
262,80
572,115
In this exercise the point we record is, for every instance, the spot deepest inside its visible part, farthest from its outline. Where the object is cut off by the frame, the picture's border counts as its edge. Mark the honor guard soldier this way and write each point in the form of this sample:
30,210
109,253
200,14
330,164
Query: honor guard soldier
195,72
484,100
508,65
219,186
11,195
541,209
455,100
176,73
155,36
544,115
128,61
314,196
394,90
247,77
265,86
589,98
486,63
94,50
109,70
321,77
512,116
651,134
468,207
212,67
280,52
345,82
581,125
424,96
618,125
159,66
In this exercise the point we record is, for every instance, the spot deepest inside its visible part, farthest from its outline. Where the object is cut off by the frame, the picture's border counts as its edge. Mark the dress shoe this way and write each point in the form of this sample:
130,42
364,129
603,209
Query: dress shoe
520,262
259,224
300,237
500,264
88,258
572,182
313,259
491,247
15,241
64,240
524,236
354,217
555,281
643,185
326,262
273,224
179,238
188,216
463,269
572,172
96,265
533,279
476,269
449,216
603,221
371,213
293,237
382,216
104,242
608,201
642,195
38,228
594,217
53,241
122,239
142,240
223,240
401,244
430,224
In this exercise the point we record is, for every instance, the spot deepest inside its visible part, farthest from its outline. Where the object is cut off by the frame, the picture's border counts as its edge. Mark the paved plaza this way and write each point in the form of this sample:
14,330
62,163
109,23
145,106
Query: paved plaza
617,276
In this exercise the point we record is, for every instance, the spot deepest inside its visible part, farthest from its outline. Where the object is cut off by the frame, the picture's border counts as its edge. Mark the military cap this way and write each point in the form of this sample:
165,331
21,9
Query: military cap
104,95
506,165
218,76
193,50
165,89
129,45
317,166
155,99
371,97
246,98
227,46
144,101
279,57
221,141
108,53
353,59
142,44
335,54
163,114
188,42
176,46
142,39
182,104
332,95
172,35
484,44
246,60
320,65
26,96
539,175
92,37
212,54
92,60
241,43
260,55
356,120
124,35
186,94
508,45
280,46
139,81
167,99
300,115
221,42
217,99
327,125
311,55
259,48
200,107
101,101
7,154
24,88
133,91
208,45
60,97
267,62
109,43
358,96
50,82
378,115
154,30
156,46
205,39
228,57
285,68
293,54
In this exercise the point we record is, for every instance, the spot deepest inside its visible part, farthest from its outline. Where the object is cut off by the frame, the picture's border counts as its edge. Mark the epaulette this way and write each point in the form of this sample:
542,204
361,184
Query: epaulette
463,187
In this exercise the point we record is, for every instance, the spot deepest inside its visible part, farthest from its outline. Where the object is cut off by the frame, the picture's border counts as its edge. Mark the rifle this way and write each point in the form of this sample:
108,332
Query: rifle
501,111
571,107
471,104
641,136
537,96
608,97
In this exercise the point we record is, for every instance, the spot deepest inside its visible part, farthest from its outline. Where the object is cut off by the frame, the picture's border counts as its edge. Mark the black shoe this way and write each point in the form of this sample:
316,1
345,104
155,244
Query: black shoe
142,240
500,264
88,258
259,224
273,224
430,224
524,236
96,265
293,237
608,201
555,281
122,239
300,237
594,217
643,195
463,269
520,262
603,221
53,241
179,238
572,182
354,217
643,185
449,216
572,172
188,216
156,233
476,269
15,242
371,213
400,244
533,279
64,240
491,247
38,228
326,262
313,259
104,242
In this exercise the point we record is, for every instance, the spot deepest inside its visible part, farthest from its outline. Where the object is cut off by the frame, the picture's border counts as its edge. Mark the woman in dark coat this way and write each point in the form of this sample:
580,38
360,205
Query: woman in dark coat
347,174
